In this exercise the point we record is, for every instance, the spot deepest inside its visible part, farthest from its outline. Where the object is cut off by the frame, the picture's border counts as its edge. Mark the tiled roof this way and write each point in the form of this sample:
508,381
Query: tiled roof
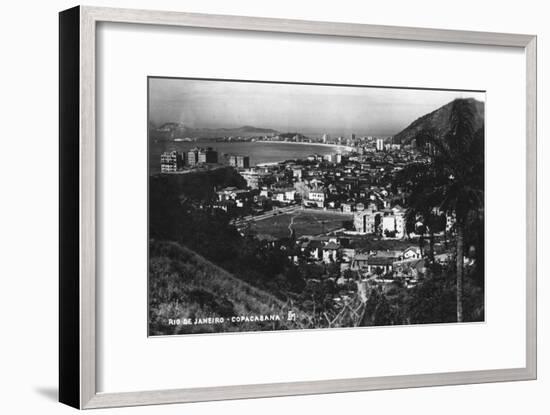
378,260
331,245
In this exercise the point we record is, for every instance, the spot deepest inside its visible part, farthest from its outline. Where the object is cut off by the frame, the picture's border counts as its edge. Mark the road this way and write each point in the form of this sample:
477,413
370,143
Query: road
271,213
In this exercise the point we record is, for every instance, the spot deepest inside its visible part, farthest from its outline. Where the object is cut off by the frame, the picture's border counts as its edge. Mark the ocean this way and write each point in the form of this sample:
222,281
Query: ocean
259,152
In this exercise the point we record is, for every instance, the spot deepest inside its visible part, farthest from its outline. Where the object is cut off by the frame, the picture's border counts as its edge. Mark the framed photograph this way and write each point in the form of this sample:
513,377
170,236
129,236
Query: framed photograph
255,207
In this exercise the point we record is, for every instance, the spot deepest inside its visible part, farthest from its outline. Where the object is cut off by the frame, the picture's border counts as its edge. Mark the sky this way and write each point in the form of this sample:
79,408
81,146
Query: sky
291,107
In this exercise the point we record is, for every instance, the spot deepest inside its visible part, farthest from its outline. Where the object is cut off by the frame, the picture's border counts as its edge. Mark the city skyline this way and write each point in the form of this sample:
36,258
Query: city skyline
310,109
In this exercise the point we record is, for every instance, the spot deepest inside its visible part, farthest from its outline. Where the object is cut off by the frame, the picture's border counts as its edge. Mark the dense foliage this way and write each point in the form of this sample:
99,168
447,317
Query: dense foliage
452,182
177,213
184,285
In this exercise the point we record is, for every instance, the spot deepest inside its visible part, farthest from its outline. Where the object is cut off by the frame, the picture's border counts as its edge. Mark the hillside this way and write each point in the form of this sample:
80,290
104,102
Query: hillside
170,131
438,120
183,284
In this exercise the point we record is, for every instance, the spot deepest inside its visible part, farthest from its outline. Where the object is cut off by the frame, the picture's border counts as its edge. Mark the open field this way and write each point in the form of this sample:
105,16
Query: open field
303,222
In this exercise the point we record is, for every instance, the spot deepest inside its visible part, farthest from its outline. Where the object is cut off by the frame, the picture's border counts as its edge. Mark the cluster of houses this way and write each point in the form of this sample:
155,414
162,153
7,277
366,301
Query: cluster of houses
338,185
334,181
230,197
399,263
407,263
359,185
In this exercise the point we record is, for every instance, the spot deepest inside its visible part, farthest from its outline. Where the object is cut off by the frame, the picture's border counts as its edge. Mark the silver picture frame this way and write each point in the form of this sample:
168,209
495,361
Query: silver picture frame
77,279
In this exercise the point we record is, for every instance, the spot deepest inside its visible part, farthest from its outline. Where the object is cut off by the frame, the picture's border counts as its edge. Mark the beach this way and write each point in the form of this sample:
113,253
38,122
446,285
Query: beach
339,147
259,152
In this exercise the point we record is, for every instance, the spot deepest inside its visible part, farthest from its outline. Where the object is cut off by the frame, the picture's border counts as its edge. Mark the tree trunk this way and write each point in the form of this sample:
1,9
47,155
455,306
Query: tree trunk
432,249
459,268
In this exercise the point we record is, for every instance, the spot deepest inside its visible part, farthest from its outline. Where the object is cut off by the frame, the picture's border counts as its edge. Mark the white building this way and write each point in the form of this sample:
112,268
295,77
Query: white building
171,162
242,162
254,178
388,225
364,221
297,174
330,252
317,195
290,195
400,225
450,222
232,193
393,225
379,144
412,252
279,196
347,207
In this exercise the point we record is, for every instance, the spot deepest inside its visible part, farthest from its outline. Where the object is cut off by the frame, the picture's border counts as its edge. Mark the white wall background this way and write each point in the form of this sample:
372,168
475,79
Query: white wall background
28,212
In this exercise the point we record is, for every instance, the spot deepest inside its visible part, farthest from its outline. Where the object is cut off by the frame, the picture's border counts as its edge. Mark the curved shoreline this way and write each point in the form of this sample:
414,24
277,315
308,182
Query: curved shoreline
337,146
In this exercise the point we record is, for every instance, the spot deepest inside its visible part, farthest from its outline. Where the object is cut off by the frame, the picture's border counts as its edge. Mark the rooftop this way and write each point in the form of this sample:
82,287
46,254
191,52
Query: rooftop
377,260
331,246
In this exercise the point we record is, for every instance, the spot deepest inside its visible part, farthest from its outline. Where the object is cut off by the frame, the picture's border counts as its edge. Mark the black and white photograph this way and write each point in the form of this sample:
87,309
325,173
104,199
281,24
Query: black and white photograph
284,206
280,207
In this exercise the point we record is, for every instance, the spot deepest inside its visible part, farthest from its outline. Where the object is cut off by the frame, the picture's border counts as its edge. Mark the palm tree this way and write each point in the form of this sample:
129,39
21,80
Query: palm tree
420,208
453,180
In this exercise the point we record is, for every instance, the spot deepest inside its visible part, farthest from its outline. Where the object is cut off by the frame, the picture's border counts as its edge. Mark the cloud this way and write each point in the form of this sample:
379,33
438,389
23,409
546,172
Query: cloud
293,107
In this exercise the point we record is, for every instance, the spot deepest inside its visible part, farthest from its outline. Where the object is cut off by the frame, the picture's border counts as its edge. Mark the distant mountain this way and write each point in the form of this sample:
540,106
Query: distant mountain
438,120
170,131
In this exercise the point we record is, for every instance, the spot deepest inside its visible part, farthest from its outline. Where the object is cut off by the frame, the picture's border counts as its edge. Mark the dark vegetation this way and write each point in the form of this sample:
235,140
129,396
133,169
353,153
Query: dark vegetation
451,183
201,266
185,285
431,301
178,212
